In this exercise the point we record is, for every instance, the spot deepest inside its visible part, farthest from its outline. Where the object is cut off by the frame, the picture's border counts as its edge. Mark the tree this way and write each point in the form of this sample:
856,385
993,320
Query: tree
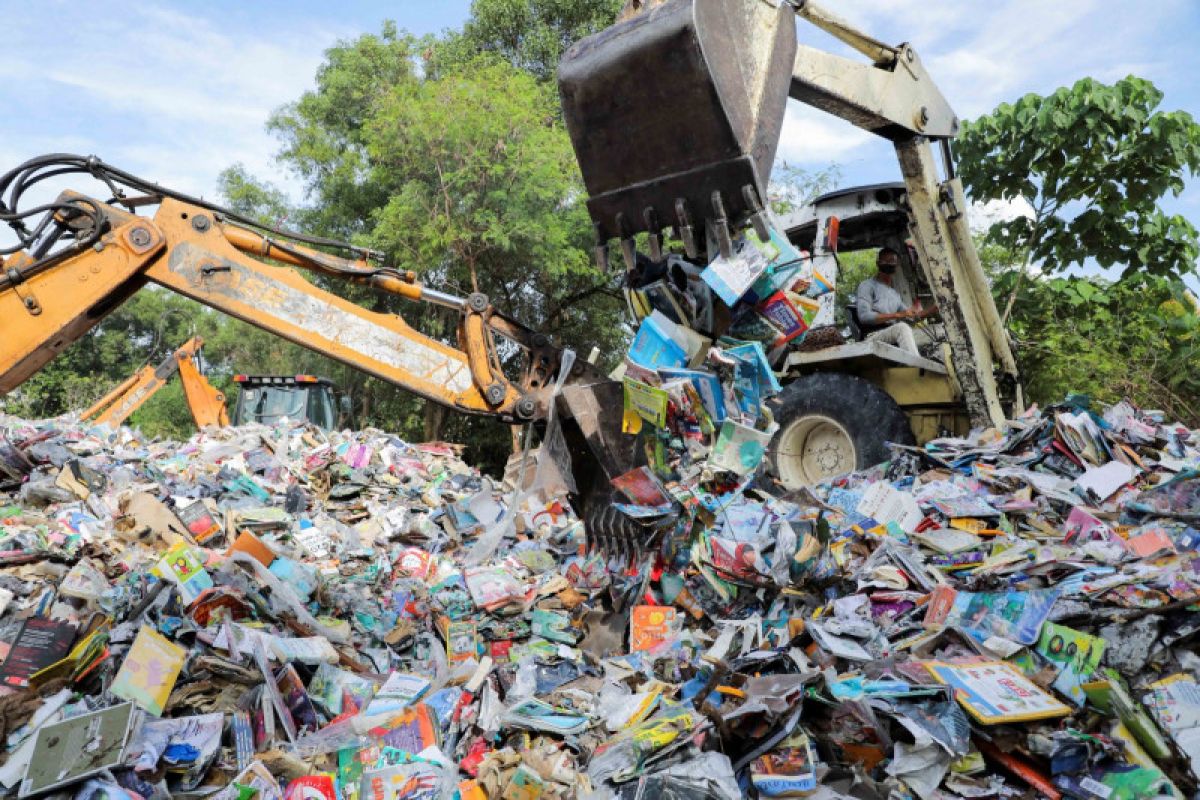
1137,339
1093,162
531,35
464,174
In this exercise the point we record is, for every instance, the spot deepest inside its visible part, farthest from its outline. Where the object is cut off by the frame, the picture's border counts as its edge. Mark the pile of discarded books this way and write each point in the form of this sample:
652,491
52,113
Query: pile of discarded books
277,612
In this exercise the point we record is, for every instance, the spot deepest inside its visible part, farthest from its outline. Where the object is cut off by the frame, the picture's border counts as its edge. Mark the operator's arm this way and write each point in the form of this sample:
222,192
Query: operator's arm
866,304
869,307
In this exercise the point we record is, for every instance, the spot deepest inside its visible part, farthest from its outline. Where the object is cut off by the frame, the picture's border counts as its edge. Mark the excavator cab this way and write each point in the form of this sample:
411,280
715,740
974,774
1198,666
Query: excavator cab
268,399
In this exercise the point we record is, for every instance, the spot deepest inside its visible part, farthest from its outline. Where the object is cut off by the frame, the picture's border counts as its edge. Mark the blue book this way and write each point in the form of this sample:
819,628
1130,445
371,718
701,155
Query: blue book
708,386
653,346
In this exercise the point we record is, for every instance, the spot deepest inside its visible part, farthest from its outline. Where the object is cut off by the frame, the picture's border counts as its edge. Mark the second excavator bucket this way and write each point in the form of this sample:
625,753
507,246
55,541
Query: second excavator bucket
676,113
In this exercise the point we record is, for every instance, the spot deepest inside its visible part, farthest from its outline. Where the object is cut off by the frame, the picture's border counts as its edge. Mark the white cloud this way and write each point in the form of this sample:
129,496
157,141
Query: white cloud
815,137
984,215
981,54
168,94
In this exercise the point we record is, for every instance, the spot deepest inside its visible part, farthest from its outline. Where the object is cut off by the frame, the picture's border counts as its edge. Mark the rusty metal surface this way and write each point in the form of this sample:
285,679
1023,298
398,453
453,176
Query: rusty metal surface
678,102
971,351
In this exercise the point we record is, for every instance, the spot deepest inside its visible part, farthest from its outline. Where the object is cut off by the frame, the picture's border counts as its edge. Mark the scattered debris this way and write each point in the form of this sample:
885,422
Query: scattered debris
279,612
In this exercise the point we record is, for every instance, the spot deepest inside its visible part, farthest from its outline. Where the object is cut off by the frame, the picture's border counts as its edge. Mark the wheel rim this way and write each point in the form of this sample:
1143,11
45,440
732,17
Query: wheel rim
812,449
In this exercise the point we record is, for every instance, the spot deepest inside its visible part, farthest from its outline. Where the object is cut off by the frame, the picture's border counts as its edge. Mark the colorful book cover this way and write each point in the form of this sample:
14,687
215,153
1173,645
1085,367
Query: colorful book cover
646,402
651,626
995,692
1075,654
654,347
462,642
730,278
782,314
789,770
1011,615
149,671
39,644
183,567
311,787
707,386
739,448
641,487
757,367
412,730
299,704
553,625
397,693
199,520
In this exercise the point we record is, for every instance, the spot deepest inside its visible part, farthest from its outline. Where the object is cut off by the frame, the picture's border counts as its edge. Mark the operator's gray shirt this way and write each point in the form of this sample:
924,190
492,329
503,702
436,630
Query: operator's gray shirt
875,298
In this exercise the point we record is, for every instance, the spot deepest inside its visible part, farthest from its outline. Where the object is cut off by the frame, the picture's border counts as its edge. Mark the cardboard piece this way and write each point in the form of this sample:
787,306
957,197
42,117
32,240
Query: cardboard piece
75,748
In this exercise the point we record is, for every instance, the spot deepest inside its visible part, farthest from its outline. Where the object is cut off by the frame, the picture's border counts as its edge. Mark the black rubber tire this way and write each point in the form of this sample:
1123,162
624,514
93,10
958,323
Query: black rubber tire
869,415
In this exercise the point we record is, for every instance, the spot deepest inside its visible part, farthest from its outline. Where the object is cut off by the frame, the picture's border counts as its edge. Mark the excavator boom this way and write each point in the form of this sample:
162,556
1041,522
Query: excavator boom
205,401
190,250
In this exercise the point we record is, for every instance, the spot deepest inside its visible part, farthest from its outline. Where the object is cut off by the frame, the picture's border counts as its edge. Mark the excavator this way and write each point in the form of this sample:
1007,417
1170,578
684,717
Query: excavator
675,113
205,402
261,398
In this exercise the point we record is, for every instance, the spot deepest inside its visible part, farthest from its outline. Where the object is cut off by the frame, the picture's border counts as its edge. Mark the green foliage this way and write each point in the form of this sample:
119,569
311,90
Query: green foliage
461,171
792,187
531,35
1093,161
143,331
1137,338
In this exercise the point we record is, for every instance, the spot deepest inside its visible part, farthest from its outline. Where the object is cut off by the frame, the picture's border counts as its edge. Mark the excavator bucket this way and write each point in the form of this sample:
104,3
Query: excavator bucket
675,114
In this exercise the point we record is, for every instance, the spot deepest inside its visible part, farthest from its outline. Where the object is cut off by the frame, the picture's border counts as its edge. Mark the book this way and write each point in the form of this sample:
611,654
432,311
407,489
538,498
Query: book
149,671
182,566
398,692
782,314
995,692
295,698
641,487
39,644
1075,654
87,653
646,402
654,345
652,626
250,544
788,770
739,448
707,386
732,277
200,522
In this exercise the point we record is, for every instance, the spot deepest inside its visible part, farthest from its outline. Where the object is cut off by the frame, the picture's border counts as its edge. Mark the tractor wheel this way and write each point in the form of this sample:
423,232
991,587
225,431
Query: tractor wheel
830,424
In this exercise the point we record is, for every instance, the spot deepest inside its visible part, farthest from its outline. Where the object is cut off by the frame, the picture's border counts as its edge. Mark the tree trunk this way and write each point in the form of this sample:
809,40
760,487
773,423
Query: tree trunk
435,421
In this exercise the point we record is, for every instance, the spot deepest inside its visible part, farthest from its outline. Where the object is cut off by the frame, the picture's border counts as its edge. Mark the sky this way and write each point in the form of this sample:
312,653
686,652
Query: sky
177,92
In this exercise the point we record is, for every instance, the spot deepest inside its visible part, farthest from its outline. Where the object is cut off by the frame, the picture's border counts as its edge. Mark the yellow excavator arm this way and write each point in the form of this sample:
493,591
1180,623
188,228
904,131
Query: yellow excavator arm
205,401
106,253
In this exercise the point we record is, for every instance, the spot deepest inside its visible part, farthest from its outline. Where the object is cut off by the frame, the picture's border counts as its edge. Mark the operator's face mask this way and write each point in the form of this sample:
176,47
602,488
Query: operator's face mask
887,269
